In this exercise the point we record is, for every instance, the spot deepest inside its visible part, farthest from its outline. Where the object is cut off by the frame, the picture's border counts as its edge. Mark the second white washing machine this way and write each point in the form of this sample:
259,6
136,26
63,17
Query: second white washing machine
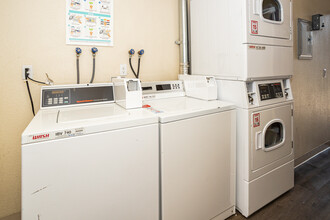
197,153
265,153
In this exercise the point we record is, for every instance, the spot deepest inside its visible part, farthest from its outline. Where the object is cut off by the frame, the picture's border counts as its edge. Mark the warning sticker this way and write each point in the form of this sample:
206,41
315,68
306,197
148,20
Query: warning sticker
254,27
256,120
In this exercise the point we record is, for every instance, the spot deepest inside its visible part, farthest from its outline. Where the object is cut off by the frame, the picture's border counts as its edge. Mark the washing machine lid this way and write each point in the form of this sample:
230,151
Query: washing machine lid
90,113
179,108
51,124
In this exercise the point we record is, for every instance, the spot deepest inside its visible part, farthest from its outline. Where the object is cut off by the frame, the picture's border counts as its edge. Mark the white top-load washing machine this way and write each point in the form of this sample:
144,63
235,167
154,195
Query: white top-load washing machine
84,157
265,154
197,145
242,39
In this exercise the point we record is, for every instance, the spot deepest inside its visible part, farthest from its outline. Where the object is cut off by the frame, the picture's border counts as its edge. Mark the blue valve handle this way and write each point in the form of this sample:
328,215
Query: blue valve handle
78,50
141,52
94,50
131,52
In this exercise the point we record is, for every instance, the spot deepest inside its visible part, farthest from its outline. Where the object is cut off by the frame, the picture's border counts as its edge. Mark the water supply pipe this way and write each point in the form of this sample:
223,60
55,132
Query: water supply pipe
183,42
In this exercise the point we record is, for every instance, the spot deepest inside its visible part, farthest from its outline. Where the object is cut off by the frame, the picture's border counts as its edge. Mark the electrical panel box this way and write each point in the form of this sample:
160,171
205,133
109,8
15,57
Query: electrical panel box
305,40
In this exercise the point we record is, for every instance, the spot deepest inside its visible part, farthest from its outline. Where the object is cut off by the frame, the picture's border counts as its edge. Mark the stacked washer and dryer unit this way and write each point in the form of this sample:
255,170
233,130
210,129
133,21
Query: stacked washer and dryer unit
247,46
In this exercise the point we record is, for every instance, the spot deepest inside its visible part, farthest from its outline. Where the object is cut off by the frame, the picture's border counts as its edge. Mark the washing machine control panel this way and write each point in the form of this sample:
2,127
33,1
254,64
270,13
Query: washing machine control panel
164,89
57,96
270,91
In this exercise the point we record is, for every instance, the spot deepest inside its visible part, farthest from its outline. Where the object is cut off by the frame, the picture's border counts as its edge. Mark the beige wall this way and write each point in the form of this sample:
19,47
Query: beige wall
311,91
33,32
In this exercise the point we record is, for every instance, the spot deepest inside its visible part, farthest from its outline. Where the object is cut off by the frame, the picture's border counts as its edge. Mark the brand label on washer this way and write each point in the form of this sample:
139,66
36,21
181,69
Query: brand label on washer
56,135
254,27
256,120
39,137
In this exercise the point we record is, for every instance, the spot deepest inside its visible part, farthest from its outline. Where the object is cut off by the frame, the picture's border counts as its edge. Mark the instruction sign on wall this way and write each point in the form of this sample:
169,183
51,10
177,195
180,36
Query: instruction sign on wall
89,22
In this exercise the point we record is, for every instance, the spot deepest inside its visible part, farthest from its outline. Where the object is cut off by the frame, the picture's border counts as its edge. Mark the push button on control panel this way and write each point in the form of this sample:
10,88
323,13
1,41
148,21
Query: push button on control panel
176,86
55,97
270,91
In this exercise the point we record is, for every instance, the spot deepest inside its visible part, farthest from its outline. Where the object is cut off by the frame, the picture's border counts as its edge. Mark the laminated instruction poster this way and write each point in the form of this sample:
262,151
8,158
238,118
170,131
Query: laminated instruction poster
89,22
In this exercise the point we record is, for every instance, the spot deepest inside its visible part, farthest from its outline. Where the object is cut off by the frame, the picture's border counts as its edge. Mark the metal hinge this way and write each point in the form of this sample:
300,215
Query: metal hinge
291,112
292,144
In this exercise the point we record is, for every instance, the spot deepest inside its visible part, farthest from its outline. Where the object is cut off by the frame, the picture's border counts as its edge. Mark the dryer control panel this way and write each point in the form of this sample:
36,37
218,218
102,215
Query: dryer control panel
254,94
270,91
267,92
68,95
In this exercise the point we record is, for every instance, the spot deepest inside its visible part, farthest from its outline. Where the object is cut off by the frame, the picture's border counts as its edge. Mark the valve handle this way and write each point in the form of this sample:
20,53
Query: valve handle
94,50
131,52
141,52
78,50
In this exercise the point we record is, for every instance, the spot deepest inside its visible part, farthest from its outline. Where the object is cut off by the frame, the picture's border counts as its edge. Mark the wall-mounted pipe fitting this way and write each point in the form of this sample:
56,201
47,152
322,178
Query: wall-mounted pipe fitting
78,51
141,52
131,52
94,51
183,42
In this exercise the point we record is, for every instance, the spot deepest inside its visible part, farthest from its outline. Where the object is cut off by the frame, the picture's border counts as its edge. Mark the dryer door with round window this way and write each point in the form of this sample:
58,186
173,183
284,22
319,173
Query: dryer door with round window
271,136
270,18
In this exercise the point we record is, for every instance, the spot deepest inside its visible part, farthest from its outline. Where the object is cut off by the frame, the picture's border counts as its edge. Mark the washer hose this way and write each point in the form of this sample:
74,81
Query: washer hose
78,74
93,74
138,70
78,52
94,51
130,63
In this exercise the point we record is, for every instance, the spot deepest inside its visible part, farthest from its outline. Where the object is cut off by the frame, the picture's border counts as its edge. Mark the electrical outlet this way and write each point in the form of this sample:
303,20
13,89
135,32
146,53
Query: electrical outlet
29,67
123,69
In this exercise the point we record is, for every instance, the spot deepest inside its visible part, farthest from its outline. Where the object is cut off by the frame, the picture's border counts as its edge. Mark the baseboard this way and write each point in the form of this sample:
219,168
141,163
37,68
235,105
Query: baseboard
309,155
